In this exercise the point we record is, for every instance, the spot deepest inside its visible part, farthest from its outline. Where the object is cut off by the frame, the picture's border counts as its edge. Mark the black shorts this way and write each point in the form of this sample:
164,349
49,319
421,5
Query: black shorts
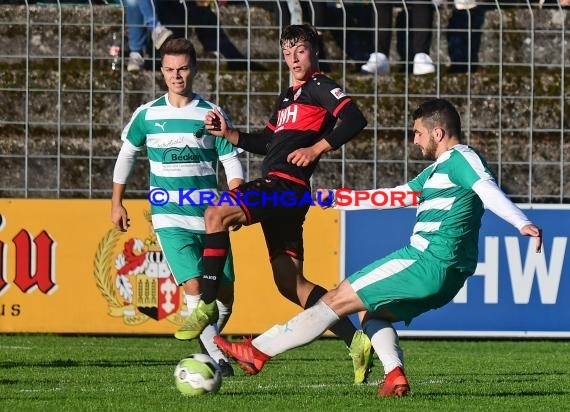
276,203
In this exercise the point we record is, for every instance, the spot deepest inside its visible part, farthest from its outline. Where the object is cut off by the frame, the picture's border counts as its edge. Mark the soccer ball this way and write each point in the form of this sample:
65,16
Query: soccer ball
198,374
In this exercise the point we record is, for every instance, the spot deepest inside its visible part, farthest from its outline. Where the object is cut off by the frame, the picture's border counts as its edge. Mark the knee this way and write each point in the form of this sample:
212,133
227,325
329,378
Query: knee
343,300
213,219
220,218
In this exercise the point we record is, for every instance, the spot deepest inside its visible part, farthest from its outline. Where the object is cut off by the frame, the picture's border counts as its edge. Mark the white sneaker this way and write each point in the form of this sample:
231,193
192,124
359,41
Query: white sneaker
136,62
465,4
377,63
423,64
160,34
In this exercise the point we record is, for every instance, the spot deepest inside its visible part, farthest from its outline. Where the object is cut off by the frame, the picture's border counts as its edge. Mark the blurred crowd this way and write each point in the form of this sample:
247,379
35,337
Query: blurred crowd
150,22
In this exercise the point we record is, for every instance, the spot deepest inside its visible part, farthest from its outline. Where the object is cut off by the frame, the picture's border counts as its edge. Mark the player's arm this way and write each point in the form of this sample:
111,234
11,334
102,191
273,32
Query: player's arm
119,215
234,171
350,122
123,168
497,202
256,143
234,176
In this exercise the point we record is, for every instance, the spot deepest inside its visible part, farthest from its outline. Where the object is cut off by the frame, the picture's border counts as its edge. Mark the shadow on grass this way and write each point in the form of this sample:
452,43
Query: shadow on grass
67,363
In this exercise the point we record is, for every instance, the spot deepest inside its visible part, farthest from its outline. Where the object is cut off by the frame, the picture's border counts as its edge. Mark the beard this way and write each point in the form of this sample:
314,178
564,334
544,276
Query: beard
429,152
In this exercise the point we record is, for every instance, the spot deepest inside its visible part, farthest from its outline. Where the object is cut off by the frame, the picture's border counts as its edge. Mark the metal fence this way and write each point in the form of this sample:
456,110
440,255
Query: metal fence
62,106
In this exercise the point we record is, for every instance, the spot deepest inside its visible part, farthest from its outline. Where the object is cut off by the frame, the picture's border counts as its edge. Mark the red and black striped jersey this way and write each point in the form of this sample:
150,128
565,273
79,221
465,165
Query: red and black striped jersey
303,115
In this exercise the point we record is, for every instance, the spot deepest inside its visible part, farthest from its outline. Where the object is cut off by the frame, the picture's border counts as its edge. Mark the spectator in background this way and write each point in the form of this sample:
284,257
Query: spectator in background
200,16
464,35
359,33
414,37
320,14
142,19
562,3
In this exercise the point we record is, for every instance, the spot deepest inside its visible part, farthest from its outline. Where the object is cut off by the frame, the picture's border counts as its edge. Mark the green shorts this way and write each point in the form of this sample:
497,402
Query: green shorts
408,283
183,251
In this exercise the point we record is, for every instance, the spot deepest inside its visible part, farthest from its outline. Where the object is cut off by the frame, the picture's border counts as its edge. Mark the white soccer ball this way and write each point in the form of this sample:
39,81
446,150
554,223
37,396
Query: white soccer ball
198,374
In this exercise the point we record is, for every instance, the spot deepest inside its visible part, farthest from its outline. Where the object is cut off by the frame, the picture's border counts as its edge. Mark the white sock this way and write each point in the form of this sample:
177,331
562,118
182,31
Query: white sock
207,339
386,343
224,311
300,330
191,301
207,335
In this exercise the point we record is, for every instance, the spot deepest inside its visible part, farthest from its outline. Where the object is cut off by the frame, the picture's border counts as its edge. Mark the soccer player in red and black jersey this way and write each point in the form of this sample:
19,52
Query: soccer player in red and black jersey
311,117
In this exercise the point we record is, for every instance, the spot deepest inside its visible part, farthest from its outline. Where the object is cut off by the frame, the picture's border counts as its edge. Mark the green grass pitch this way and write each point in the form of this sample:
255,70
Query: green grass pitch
101,373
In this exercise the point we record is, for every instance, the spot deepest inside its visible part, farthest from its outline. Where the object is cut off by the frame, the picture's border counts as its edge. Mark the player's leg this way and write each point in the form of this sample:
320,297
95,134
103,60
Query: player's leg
400,287
183,251
216,248
377,285
386,343
207,336
303,328
219,219
284,237
224,301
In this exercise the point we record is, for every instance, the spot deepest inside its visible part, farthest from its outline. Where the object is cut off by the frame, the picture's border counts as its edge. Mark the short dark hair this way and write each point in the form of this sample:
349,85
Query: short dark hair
439,113
179,45
299,32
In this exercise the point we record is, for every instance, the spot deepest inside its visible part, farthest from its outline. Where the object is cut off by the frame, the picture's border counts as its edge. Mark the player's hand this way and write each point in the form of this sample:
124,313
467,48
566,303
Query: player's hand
303,157
325,198
534,231
120,218
215,123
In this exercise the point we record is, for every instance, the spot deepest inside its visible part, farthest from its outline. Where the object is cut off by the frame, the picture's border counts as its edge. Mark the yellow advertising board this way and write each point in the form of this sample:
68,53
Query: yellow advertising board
65,270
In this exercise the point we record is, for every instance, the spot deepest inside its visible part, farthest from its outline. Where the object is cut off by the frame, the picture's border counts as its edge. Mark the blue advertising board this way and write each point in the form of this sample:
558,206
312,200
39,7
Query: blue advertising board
514,292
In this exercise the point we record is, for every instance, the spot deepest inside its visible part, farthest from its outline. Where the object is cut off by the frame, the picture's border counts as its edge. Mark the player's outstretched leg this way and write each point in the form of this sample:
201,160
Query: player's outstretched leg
395,383
248,357
203,315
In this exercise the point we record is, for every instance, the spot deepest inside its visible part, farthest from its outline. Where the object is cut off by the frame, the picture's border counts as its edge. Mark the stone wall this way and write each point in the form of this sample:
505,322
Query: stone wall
515,114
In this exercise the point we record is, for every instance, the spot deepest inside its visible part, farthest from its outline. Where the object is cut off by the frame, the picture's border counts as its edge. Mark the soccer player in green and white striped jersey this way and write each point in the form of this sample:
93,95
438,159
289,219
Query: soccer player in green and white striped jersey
183,159
424,275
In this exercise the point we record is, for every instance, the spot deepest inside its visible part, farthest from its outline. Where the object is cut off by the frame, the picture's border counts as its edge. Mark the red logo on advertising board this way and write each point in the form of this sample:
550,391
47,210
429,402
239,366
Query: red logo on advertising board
34,265
136,282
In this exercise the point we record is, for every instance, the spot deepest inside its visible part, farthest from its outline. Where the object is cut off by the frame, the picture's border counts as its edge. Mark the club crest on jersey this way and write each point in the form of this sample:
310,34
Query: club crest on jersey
297,93
338,93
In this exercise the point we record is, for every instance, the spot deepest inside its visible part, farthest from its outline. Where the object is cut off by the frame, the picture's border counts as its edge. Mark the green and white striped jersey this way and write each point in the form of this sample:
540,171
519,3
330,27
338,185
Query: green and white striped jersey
183,158
449,212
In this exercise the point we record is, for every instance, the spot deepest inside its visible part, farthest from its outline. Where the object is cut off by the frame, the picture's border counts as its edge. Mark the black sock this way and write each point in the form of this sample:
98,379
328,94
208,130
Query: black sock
216,246
344,328
366,326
